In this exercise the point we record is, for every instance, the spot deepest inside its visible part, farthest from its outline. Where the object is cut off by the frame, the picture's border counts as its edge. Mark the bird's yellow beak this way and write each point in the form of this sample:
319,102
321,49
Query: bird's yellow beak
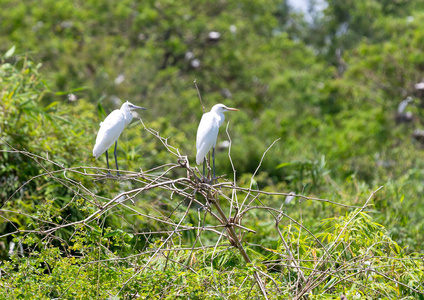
233,109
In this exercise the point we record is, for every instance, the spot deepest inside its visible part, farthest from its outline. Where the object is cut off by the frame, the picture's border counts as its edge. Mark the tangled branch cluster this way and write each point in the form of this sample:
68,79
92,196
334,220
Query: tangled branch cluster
221,209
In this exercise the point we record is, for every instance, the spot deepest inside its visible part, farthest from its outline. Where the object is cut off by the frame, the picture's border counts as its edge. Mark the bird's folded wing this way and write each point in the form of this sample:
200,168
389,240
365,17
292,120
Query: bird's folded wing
206,136
109,132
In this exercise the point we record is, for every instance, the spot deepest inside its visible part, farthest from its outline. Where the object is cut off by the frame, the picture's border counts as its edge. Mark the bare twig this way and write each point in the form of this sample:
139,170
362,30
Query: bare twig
198,93
219,217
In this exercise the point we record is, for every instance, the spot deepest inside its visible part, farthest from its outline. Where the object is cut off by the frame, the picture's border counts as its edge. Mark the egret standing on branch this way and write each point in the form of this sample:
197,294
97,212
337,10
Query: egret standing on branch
207,133
110,130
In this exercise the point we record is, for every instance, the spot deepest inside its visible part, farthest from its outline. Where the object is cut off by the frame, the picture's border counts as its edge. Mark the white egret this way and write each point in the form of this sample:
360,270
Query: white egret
402,115
110,130
403,104
207,133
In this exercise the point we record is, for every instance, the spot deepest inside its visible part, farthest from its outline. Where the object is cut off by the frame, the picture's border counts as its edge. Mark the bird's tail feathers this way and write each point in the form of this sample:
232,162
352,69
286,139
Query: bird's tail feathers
199,159
96,153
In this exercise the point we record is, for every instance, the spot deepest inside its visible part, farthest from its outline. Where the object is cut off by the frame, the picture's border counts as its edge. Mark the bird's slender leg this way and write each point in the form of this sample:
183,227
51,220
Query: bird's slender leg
204,166
107,161
213,164
116,159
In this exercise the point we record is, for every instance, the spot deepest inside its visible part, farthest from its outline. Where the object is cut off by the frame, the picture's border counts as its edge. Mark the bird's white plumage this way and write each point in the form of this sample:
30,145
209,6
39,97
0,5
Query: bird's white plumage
207,134
112,127
109,132
208,129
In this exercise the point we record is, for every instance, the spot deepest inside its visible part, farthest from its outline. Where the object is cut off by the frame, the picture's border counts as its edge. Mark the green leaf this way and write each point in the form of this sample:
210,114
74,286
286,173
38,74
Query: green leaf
282,165
83,88
101,111
112,233
55,103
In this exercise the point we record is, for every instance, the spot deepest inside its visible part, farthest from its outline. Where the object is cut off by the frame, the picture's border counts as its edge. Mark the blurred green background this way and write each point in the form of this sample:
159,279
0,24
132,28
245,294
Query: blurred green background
329,85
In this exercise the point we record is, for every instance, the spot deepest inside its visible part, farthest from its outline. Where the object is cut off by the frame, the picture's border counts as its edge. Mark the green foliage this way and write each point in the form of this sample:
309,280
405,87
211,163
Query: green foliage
334,112
363,256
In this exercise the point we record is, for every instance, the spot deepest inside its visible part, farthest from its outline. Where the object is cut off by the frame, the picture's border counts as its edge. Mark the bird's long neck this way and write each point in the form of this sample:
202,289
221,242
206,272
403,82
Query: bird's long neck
220,117
128,117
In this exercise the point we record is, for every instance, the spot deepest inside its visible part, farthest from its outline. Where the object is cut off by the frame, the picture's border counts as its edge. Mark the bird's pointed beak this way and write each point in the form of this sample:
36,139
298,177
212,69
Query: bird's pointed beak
233,109
137,107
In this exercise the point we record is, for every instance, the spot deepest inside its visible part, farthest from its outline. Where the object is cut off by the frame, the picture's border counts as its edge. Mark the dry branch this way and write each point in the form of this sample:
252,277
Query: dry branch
219,212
